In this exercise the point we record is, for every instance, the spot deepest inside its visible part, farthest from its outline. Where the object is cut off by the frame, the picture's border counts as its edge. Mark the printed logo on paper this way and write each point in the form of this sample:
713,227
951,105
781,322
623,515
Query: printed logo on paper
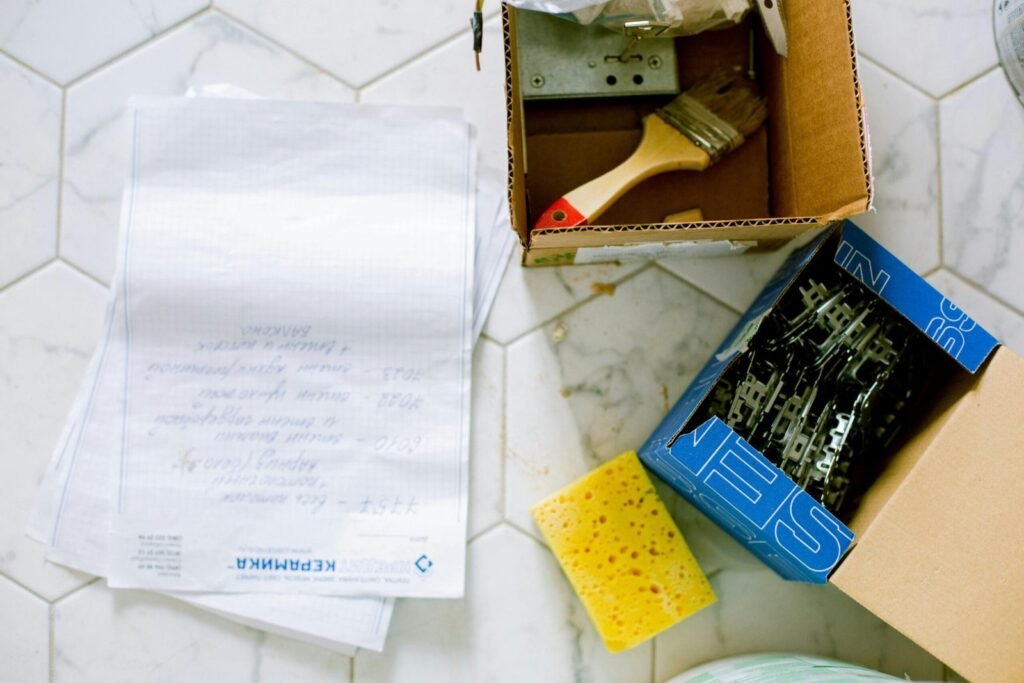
423,563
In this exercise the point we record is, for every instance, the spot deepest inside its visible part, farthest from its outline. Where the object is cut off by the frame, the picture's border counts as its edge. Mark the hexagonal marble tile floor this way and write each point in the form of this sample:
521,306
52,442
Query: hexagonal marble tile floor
556,388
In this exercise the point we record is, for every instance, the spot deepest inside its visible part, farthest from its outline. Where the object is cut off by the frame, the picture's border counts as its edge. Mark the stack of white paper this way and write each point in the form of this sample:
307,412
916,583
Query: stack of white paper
275,424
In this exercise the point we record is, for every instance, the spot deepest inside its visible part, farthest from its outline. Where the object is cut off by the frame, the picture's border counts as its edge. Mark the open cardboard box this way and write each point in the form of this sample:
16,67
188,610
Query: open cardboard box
808,166
936,545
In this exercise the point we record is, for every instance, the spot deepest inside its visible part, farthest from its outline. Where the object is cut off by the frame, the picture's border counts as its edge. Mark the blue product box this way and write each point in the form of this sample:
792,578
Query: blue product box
738,487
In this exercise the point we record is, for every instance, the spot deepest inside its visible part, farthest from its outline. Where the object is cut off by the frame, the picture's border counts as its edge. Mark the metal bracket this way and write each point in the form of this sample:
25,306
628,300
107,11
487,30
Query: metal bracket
559,59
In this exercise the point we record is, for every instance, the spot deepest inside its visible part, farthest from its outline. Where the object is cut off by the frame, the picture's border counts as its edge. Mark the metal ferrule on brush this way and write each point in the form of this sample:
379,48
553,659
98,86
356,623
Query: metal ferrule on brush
708,131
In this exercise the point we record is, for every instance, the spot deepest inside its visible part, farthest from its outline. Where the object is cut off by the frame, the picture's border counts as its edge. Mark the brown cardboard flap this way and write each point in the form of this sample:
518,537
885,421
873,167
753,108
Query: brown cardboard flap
943,561
815,118
918,439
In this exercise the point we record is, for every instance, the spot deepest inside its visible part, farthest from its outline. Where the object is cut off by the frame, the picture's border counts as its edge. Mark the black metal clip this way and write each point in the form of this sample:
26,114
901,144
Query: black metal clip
476,23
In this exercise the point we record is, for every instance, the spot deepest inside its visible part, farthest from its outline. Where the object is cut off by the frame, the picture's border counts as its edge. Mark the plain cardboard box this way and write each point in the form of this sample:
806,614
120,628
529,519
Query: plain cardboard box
936,546
809,166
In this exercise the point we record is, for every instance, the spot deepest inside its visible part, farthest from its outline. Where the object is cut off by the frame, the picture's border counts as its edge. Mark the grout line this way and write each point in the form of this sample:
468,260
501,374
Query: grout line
483,336
419,56
981,289
902,79
159,35
61,598
51,611
28,274
941,96
83,272
938,183
484,531
357,89
429,52
942,217
352,666
493,528
654,660
282,46
25,588
31,69
575,306
694,285
931,271
60,168
503,493
512,525
971,81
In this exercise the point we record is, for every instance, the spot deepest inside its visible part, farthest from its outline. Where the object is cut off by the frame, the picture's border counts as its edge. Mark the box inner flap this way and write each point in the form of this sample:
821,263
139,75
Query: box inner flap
820,164
943,559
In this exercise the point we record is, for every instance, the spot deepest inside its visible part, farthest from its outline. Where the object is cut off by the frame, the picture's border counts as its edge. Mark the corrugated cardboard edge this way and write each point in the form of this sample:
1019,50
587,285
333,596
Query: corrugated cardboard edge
943,560
557,247
551,248
511,122
862,122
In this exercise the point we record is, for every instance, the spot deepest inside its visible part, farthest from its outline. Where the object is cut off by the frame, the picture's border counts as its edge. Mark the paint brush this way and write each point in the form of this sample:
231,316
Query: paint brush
690,133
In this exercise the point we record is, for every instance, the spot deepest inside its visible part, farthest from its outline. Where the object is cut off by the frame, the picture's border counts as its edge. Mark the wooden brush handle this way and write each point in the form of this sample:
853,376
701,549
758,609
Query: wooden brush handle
662,148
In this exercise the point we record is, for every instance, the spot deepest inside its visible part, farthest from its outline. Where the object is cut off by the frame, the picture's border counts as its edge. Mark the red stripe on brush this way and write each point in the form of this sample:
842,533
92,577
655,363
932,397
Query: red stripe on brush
561,214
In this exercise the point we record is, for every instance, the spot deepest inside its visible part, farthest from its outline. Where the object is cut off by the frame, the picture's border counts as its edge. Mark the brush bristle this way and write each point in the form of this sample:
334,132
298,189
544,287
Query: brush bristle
732,97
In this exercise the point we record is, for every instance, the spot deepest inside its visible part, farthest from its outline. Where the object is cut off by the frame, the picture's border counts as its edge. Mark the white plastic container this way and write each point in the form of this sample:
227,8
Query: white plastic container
1009,32
780,668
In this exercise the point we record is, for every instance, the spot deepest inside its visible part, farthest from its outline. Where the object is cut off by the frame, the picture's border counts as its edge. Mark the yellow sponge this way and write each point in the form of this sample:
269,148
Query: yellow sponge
623,553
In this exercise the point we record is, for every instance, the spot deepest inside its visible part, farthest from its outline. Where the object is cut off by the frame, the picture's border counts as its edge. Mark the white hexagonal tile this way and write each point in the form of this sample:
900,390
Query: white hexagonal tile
29,170
982,135
759,612
49,324
104,635
935,44
25,649
1006,324
356,41
904,152
529,297
284,659
519,621
735,280
447,77
209,50
487,437
66,39
621,363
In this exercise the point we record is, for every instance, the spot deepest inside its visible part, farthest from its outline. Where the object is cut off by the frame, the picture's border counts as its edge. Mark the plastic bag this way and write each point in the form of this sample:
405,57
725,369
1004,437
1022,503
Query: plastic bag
662,17
1009,29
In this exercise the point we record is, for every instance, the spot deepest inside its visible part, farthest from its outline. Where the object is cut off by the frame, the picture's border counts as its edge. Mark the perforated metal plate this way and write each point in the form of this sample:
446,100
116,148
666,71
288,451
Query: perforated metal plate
560,59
